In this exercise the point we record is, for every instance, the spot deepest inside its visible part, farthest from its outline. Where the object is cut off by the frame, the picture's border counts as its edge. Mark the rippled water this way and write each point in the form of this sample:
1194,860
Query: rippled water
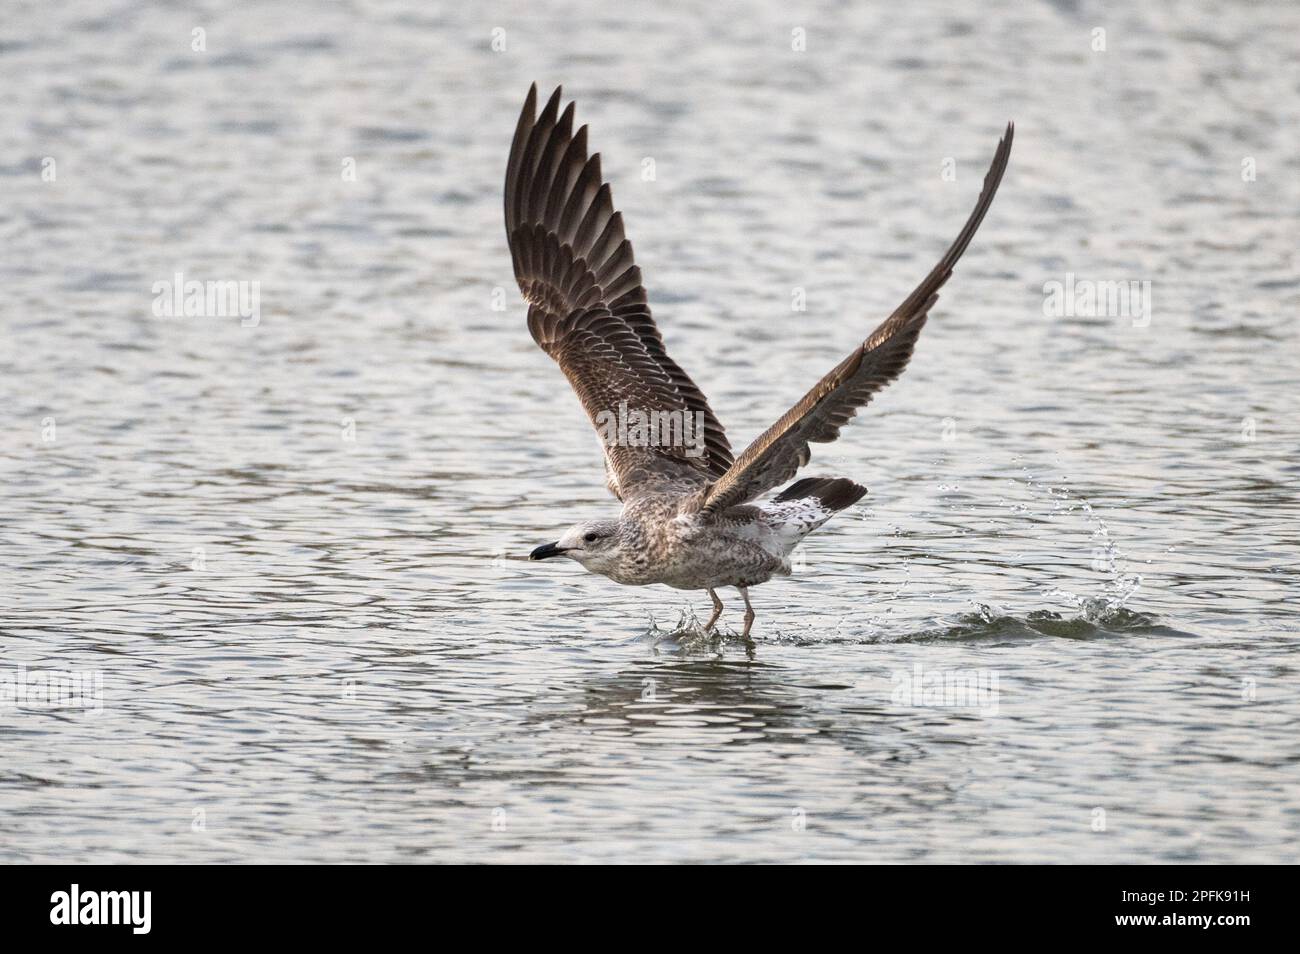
294,551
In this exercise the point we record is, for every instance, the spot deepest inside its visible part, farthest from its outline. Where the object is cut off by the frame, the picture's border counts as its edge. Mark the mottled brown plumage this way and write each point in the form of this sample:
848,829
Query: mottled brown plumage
687,520
587,306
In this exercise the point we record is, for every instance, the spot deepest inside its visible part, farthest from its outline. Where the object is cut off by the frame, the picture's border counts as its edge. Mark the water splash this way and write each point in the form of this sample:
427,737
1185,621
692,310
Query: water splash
1120,584
688,636
990,623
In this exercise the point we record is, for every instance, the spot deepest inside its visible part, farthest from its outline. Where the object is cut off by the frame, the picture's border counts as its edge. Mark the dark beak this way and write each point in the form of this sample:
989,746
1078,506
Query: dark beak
546,550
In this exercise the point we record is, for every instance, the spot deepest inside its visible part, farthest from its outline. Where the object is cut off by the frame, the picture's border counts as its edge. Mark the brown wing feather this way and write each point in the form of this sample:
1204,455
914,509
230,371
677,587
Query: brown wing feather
587,306
783,448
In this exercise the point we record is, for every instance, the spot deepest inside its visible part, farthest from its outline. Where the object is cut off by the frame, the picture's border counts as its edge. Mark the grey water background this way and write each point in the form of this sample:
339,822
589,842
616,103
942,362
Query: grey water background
294,551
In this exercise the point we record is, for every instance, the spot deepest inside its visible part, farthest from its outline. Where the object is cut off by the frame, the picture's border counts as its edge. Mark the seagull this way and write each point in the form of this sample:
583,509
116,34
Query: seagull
691,516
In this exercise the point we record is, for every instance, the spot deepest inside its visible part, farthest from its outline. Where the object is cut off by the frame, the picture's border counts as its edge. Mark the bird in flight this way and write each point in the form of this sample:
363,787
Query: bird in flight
691,516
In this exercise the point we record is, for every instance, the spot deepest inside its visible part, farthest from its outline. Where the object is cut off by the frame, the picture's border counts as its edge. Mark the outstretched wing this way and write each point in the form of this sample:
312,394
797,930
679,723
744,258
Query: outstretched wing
783,448
588,310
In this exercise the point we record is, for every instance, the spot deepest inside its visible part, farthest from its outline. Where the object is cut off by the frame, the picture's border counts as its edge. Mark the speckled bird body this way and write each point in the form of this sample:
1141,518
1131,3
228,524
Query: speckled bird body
693,514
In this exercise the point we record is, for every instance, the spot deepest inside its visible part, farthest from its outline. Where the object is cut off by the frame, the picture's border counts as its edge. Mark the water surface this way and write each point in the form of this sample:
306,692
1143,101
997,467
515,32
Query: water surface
294,552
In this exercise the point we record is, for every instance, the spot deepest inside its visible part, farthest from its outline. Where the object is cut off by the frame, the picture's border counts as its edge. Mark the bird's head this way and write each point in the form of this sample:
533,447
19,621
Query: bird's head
593,543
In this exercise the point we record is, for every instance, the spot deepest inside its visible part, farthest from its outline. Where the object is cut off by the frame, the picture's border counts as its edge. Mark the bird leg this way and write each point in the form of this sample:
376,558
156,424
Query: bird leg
717,611
749,613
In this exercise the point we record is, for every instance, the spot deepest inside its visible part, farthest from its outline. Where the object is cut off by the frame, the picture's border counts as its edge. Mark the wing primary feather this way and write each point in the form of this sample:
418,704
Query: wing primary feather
516,155
817,418
587,304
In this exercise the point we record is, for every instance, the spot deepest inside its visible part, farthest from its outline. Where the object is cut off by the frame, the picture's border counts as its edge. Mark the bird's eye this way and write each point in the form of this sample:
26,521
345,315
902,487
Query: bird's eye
590,538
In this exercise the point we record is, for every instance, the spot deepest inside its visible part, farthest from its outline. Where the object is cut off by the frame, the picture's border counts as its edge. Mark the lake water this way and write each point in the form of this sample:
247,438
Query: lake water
288,555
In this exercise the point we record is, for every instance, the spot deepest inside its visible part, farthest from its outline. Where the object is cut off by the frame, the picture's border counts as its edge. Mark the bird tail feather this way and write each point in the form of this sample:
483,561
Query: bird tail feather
834,493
